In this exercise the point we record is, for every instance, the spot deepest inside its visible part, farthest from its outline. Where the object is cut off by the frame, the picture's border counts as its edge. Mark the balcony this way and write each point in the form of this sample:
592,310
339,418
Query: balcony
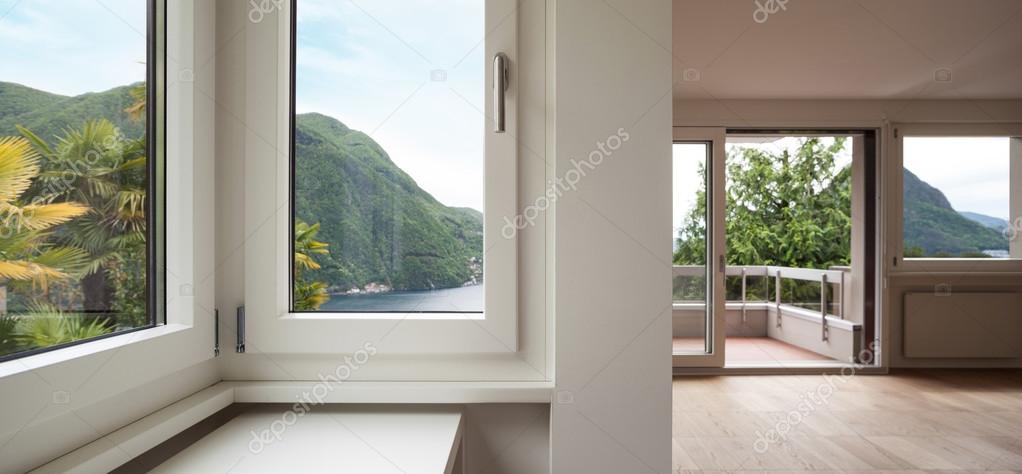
787,314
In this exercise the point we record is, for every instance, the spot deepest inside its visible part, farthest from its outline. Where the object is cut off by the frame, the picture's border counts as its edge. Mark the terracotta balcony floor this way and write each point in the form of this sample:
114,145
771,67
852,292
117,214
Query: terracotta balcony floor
753,350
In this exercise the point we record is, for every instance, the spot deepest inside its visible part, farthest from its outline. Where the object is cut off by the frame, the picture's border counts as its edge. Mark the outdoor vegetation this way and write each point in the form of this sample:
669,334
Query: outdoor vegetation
72,215
792,208
382,230
784,208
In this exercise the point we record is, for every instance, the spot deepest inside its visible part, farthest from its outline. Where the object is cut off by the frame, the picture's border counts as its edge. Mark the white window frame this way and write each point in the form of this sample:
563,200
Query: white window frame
896,245
110,366
271,327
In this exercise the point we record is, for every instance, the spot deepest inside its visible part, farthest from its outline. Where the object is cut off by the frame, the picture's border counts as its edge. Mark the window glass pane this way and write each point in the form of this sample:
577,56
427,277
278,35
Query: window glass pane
388,159
956,192
73,171
690,246
789,201
788,214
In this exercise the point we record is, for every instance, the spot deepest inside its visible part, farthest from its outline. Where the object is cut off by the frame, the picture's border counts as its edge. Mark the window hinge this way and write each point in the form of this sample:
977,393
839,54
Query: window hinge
240,346
216,332
895,133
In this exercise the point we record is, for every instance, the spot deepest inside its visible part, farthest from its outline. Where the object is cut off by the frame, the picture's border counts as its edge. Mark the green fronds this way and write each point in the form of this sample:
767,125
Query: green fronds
19,165
25,253
44,325
308,295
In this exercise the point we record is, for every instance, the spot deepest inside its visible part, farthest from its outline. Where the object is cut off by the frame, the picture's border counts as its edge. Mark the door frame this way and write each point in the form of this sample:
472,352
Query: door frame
716,138
868,151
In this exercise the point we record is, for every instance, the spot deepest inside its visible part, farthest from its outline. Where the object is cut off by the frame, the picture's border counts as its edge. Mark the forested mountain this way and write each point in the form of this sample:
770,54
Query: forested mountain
934,227
380,225
48,115
995,223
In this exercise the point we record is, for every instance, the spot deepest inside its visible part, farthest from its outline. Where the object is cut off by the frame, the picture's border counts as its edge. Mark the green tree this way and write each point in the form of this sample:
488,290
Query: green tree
97,166
48,326
26,254
783,208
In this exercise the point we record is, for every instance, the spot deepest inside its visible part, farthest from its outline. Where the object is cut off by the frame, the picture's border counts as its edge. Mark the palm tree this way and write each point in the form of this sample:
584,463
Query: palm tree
308,295
96,165
48,326
25,228
136,111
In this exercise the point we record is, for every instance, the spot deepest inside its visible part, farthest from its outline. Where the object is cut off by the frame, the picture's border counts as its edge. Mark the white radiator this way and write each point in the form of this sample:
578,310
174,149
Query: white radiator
963,325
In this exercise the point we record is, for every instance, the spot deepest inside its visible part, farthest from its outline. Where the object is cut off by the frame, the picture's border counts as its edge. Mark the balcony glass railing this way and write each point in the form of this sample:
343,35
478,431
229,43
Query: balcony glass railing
816,290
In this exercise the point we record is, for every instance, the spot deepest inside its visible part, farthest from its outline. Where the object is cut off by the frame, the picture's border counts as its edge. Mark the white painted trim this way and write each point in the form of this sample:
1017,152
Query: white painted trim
113,450
717,138
896,206
99,347
271,327
396,392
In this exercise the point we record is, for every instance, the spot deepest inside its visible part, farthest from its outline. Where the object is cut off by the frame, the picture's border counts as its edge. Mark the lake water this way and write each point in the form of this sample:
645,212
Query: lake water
467,298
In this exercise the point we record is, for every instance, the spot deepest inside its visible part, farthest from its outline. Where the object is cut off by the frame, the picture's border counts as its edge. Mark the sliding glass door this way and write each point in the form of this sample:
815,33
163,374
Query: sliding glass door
697,281
773,247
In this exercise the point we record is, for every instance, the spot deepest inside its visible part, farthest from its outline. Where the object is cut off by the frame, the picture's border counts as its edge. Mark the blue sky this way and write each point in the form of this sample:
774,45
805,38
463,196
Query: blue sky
366,63
370,65
972,172
72,46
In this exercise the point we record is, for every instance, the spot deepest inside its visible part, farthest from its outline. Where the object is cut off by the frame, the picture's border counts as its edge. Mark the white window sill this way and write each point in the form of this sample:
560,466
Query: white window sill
385,316
59,356
909,266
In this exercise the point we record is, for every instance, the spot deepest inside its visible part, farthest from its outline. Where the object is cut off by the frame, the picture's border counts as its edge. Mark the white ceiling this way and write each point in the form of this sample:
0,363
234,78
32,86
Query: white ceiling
841,49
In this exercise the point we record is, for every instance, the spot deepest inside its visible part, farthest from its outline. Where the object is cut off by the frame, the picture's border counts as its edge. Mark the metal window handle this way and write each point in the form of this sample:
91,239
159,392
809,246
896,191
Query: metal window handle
500,86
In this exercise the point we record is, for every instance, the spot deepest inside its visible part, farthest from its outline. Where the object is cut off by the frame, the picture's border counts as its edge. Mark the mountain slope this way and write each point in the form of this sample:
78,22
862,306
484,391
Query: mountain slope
48,115
16,99
380,225
931,224
992,222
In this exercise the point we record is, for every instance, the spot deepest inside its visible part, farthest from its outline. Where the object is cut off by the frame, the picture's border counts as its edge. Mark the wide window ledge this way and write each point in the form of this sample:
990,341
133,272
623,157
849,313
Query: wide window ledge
331,391
321,316
99,346
957,265
124,444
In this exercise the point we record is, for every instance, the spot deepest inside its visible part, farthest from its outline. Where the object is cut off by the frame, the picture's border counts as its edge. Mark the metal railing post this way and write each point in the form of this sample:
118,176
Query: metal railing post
823,306
841,295
745,319
777,296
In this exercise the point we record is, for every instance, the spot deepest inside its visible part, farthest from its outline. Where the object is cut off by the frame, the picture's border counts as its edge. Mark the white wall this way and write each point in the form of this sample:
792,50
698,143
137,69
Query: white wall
612,256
